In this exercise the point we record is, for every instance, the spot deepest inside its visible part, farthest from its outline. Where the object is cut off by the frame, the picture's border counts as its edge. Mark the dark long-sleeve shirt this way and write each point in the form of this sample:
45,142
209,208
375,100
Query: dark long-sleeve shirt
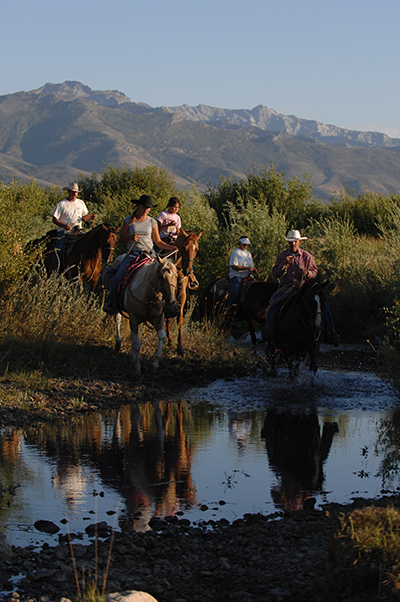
303,259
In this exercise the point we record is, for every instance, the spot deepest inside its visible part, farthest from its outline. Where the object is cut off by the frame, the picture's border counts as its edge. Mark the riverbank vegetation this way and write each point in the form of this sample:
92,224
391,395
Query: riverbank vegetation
354,240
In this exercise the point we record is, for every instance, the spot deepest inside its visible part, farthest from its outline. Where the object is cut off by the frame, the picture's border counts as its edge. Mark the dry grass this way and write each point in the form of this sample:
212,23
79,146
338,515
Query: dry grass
366,552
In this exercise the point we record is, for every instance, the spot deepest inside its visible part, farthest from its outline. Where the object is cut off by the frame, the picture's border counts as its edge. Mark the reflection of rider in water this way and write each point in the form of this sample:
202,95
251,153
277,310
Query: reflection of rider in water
296,451
240,424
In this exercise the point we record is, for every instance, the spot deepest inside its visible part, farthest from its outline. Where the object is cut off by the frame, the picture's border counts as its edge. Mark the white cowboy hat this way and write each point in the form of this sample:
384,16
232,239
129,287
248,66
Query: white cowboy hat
73,186
244,240
294,235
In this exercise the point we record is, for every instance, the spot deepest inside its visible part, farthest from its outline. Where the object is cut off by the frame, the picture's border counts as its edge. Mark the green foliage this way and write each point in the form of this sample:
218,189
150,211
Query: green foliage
367,211
113,190
24,215
268,188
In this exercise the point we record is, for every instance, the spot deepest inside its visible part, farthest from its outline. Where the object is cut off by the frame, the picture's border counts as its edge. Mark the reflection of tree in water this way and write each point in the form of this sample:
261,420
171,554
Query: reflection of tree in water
388,446
296,451
143,451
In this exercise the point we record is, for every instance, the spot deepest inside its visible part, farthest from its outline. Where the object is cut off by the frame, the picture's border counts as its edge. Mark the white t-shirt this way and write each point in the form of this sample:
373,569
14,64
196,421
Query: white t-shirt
240,257
165,217
70,212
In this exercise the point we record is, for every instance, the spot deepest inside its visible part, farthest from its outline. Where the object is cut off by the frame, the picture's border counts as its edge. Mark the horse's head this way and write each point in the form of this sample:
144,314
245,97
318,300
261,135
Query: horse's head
314,299
168,281
188,245
109,239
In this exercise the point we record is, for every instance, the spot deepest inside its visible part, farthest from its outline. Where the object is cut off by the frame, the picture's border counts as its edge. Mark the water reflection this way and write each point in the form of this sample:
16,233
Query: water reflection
296,451
205,459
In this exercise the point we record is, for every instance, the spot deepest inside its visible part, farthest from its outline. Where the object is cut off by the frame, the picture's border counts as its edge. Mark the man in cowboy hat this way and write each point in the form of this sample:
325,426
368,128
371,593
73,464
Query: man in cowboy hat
68,214
240,266
291,266
294,263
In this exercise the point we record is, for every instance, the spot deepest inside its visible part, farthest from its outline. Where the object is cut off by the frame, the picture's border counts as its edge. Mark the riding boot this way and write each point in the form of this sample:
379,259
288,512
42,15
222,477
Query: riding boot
111,306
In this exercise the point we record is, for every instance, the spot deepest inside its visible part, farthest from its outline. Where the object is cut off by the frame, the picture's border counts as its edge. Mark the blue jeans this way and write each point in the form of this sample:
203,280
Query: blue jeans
236,283
58,251
118,278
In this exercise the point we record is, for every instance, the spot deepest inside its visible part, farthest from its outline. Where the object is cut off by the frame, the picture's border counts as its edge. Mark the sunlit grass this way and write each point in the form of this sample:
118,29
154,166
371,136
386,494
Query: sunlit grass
366,550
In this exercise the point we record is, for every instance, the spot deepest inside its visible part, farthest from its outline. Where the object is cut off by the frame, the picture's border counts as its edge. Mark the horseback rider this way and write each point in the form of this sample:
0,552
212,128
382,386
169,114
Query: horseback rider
240,267
169,222
293,266
68,214
139,231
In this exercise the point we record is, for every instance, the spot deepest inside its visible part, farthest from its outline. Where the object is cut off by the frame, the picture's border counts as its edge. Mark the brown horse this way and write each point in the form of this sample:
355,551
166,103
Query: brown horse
188,245
299,327
250,309
84,255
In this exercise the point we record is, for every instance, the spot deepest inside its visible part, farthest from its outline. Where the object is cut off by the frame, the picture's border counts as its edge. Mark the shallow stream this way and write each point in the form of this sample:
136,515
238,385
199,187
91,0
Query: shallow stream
255,444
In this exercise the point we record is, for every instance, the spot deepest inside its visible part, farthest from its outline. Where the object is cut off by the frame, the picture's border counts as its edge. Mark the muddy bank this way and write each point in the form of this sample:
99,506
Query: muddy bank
88,382
285,556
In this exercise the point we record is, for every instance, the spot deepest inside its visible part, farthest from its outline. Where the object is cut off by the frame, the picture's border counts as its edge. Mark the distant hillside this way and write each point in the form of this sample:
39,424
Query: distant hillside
59,131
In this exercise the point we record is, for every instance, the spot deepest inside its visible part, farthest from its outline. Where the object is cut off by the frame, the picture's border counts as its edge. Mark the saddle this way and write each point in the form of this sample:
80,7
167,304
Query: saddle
132,269
222,287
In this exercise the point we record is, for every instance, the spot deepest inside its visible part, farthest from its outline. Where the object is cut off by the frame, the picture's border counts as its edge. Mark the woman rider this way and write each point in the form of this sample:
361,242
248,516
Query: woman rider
139,231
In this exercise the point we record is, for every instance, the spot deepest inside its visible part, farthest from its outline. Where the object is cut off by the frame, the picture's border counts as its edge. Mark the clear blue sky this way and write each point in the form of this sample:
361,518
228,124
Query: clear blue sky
333,61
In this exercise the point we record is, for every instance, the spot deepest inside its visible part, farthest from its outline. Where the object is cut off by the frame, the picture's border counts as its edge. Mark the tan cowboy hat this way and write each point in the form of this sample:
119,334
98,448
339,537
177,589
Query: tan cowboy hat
73,186
294,235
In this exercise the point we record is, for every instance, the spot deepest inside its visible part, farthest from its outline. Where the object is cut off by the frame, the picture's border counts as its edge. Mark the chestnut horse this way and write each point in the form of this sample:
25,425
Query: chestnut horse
188,245
250,309
149,297
84,255
299,327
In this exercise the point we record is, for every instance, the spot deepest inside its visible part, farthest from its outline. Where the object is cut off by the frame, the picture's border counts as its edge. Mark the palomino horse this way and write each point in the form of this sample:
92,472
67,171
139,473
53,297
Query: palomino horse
299,327
251,309
188,245
86,255
149,298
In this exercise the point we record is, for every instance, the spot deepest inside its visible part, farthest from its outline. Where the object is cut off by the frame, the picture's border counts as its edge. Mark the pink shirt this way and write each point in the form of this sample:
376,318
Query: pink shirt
165,217
303,259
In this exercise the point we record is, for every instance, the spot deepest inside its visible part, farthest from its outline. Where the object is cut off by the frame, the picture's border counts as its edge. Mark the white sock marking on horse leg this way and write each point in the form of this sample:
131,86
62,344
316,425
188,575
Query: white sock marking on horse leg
157,356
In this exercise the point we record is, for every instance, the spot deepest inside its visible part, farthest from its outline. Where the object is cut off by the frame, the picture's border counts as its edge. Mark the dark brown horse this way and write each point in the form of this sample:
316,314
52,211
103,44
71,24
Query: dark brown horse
299,327
84,255
188,245
250,309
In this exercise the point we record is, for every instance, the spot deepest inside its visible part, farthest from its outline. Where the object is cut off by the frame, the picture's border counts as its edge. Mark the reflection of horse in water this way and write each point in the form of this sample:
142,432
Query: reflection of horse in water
251,304
240,424
84,253
297,450
299,327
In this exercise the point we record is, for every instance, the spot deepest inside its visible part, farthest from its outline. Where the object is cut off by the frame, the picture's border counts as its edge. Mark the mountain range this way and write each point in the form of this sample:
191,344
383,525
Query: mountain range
60,131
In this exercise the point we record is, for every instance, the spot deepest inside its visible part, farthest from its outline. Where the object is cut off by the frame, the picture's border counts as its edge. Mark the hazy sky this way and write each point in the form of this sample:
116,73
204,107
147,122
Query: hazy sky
332,61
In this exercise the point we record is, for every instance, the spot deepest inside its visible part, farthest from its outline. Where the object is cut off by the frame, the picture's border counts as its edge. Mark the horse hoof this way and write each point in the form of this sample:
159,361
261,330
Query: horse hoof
118,345
180,350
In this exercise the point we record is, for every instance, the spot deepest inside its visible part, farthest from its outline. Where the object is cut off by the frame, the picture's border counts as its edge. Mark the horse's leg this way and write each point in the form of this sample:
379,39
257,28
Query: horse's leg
135,346
161,338
252,333
118,338
271,351
168,329
182,300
